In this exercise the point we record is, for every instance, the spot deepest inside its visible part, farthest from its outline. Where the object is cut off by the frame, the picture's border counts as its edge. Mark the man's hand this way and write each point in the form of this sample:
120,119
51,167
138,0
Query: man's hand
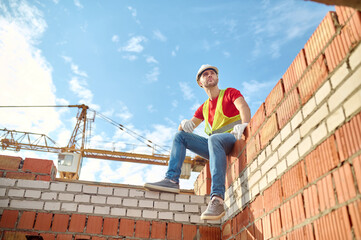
238,130
187,125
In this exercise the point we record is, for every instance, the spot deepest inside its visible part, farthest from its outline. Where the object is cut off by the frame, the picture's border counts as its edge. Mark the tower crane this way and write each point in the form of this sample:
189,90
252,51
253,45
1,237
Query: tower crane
70,157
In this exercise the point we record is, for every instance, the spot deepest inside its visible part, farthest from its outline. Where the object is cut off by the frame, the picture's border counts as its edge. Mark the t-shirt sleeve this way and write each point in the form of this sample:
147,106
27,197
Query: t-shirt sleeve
199,113
233,94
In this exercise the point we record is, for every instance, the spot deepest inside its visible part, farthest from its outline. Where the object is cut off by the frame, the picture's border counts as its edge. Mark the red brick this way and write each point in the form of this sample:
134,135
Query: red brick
43,221
9,218
39,166
276,223
9,162
344,13
269,130
322,35
235,227
355,213
297,209
110,226
126,227
238,146
274,98
311,201
321,160
286,216
20,175
60,223
256,208
293,180
82,237
142,229
272,196
352,29
9,235
345,187
288,108
189,232
77,223
257,119
258,229
357,168
335,225
98,238
229,177
44,177
26,220
326,194
348,138
243,218
253,148
240,163
211,233
174,231
312,79
302,233
266,223
48,236
94,224
207,172
227,229
158,230
294,71
64,237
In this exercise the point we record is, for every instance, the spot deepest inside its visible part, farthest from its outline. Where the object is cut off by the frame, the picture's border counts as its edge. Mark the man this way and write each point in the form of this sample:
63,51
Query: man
226,115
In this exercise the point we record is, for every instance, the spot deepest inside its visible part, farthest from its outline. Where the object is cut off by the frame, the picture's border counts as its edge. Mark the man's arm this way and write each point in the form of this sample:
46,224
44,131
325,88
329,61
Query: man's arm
243,109
195,120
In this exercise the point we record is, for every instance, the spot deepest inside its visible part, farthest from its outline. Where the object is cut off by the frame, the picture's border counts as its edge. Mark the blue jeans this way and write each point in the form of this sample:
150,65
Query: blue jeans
215,148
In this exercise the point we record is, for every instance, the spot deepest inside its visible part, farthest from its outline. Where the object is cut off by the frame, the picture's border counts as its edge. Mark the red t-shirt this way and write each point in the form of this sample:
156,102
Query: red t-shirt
229,109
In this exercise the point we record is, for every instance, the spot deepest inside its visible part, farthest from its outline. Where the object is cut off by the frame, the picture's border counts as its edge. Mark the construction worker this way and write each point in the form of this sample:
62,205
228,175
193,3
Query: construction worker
226,116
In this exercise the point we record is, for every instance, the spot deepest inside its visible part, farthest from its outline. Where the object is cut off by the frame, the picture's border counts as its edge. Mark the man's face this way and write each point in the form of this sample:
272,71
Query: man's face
209,78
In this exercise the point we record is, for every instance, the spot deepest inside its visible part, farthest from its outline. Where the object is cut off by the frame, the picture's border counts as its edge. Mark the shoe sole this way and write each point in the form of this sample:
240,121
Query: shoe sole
160,188
212,217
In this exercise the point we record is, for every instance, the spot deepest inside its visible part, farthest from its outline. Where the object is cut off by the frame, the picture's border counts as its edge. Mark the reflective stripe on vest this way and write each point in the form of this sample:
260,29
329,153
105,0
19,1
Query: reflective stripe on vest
221,123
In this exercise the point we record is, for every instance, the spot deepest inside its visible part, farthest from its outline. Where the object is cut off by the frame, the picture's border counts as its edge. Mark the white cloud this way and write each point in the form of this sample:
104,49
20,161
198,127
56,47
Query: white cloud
152,76
26,76
175,51
174,103
78,4
134,45
186,90
115,38
133,11
124,112
130,57
226,54
151,59
79,87
151,108
158,35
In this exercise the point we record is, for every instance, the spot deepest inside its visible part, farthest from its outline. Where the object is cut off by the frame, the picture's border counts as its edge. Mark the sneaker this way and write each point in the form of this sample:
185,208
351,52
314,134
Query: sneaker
214,211
166,185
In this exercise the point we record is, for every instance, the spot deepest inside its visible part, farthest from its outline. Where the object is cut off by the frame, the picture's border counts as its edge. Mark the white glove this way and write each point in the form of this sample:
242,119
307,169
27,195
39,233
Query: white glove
188,125
238,130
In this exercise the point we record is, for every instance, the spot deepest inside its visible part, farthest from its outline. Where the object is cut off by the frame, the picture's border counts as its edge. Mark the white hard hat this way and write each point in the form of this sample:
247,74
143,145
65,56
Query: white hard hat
204,68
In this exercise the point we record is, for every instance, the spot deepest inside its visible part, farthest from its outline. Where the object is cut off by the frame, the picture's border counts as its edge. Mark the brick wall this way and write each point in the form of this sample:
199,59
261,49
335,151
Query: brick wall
34,203
297,175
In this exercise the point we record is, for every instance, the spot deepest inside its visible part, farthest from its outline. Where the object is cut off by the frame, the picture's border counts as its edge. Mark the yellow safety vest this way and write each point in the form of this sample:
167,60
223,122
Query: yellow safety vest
221,123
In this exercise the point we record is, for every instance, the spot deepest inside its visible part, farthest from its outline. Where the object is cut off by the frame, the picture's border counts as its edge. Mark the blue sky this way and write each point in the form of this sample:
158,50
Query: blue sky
135,62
